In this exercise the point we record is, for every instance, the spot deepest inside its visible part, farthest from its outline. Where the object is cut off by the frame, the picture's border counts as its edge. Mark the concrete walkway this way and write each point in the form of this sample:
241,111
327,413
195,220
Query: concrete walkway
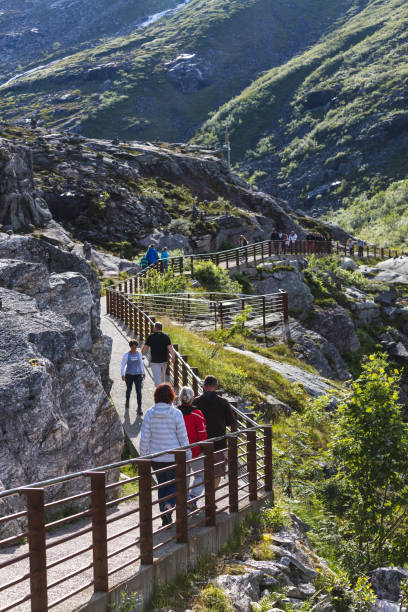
120,335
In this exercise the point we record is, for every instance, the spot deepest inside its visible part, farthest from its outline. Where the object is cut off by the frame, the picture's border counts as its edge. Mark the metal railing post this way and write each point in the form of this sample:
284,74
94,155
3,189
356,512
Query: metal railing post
181,496
237,258
233,473
195,381
146,517
184,371
264,313
251,461
176,367
99,531
268,469
37,549
209,480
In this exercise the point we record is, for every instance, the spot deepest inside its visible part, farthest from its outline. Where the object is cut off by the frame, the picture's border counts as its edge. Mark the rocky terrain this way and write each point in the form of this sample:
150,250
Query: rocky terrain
122,196
56,416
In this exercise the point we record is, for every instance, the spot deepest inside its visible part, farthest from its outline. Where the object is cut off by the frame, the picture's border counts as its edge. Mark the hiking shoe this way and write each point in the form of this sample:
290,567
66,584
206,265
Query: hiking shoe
140,411
166,519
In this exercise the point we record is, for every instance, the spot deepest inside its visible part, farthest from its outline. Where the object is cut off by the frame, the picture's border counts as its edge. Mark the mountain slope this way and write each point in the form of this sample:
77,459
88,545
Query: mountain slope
145,85
32,31
332,121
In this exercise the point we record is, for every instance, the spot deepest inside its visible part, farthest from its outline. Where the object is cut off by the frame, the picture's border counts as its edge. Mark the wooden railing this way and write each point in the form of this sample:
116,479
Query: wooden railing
101,539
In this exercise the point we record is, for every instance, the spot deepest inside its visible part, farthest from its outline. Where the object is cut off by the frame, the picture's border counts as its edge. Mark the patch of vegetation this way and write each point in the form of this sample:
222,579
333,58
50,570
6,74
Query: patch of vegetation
244,377
381,219
214,278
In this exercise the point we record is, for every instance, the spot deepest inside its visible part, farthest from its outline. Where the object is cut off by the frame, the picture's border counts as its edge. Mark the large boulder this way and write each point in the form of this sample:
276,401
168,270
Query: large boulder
336,325
386,582
56,416
299,295
367,312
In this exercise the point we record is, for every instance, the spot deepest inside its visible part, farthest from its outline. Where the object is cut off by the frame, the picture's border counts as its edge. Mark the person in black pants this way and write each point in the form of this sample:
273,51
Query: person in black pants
133,372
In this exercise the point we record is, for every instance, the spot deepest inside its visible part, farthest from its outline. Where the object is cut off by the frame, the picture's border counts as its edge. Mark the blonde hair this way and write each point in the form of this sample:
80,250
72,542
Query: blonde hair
186,395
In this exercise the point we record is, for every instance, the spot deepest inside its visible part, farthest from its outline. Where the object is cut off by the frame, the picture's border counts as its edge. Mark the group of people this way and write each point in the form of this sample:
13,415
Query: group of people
152,255
350,245
174,422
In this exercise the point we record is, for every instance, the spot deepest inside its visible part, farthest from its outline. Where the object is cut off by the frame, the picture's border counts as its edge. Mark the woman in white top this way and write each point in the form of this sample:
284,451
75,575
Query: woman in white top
163,429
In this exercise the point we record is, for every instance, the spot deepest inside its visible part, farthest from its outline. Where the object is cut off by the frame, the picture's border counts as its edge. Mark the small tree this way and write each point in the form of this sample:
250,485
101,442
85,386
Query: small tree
370,448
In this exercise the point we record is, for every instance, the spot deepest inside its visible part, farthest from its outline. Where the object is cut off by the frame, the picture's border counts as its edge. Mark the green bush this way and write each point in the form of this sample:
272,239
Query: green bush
155,282
213,599
214,278
180,226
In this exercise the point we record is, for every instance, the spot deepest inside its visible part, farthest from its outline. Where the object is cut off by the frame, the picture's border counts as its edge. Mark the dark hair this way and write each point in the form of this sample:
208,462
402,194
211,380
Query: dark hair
210,381
158,325
164,393
151,246
131,342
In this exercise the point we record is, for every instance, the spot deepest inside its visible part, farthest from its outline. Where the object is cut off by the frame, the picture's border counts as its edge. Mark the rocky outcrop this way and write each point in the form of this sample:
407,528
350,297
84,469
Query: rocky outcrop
20,203
189,73
56,415
386,582
119,195
336,325
299,294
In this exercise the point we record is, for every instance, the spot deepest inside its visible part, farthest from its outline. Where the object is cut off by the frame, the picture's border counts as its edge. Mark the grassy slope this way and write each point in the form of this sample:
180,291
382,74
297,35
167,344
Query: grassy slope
239,38
362,67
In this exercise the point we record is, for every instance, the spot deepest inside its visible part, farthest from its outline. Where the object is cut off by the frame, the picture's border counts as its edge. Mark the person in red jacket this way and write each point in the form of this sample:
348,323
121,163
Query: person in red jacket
197,432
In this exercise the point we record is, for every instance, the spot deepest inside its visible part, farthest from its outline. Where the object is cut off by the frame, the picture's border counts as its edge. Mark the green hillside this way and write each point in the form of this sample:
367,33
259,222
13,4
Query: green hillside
333,114
123,86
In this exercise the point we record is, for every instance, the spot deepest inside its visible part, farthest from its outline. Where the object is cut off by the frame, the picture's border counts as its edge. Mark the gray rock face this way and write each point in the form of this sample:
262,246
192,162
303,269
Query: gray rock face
242,589
348,264
19,204
382,605
299,294
318,352
367,312
386,582
336,325
56,417
386,298
189,73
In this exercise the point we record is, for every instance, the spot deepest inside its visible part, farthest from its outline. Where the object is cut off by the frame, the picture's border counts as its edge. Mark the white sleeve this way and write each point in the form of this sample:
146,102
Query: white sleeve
145,435
123,364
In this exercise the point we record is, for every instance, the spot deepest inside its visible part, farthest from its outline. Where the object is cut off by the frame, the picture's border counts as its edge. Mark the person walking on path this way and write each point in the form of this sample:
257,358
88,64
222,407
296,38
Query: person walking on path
242,241
152,255
163,429
165,258
360,245
160,347
197,432
133,372
218,415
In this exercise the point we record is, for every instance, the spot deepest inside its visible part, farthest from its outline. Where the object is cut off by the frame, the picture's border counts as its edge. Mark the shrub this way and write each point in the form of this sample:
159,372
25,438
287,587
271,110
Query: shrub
213,599
214,278
180,226
369,447
155,282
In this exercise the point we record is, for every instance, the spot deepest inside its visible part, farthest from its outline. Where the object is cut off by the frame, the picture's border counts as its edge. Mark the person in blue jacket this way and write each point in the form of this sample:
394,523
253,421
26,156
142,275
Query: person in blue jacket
165,258
152,255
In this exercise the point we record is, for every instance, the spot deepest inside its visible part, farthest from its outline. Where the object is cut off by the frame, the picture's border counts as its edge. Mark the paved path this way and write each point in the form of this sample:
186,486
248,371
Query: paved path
120,335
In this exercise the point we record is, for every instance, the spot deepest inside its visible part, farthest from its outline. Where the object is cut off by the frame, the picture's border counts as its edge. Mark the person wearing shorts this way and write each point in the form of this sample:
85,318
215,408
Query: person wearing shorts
160,347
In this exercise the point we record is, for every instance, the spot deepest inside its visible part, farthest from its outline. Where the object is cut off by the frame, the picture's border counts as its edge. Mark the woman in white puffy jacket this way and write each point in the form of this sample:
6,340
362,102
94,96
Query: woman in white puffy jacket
163,429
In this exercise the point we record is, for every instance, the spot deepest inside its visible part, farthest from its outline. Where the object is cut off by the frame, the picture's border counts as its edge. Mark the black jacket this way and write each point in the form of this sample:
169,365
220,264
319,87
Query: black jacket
218,415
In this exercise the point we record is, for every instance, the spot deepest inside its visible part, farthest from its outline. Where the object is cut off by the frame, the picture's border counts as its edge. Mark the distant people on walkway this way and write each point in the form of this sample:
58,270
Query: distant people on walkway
242,241
160,347
197,432
218,415
133,373
152,255
292,240
165,258
360,246
350,246
163,429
